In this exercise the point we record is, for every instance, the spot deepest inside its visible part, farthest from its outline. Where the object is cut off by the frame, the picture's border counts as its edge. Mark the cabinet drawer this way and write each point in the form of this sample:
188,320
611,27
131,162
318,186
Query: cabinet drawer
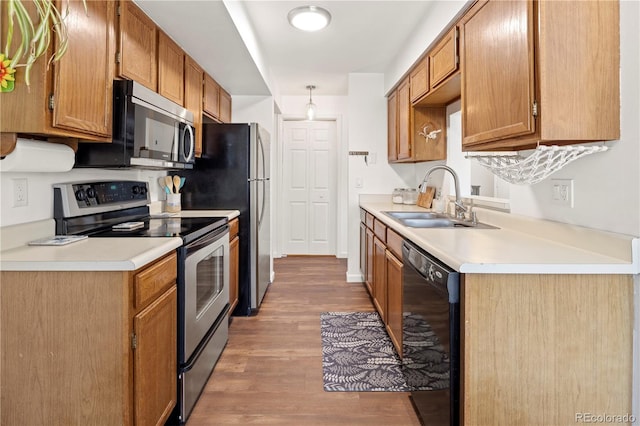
154,280
369,220
394,243
234,225
380,230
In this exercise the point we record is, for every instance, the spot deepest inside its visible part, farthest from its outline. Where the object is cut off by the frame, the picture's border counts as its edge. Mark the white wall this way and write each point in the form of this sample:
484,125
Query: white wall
40,191
254,109
328,108
368,132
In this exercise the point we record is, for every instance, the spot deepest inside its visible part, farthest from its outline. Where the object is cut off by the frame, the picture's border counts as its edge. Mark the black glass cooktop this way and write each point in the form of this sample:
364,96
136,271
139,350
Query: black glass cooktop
187,228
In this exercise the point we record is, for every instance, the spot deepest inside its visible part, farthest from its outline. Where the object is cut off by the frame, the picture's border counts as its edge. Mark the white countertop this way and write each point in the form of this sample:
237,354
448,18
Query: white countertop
519,245
91,254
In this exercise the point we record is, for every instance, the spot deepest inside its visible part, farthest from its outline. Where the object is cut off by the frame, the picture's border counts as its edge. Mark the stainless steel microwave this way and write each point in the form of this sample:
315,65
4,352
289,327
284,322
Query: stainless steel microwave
149,131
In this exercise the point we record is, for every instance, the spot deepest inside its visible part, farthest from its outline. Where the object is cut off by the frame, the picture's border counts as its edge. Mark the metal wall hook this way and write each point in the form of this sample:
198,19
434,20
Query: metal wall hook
429,132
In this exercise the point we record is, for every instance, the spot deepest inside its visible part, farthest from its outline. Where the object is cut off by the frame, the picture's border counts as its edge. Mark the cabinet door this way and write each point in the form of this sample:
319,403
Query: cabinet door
498,74
137,46
380,278
170,69
225,106
193,88
369,276
84,77
443,58
394,300
363,250
155,361
419,79
392,127
211,105
404,121
234,265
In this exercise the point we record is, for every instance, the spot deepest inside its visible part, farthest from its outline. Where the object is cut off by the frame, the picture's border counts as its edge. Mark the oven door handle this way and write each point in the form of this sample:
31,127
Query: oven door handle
208,239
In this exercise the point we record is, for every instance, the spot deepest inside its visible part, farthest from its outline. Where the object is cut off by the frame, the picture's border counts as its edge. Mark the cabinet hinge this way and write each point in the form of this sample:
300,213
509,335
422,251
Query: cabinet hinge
118,58
52,102
134,341
534,109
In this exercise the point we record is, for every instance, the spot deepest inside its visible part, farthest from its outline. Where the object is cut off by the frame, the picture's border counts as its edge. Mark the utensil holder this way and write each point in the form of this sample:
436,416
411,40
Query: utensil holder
173,204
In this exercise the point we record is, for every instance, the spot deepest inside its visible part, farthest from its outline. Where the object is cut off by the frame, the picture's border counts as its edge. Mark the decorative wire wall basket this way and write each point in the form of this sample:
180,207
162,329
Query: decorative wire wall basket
545,160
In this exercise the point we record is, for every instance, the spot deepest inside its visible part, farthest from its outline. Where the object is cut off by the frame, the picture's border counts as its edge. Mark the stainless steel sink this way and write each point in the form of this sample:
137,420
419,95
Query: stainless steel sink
412,215
433,220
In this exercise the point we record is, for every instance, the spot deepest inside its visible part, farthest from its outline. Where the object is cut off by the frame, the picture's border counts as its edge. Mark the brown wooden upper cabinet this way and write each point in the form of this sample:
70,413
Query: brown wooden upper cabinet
437,75
225,106
539,72
137,46
170,69
211,106
443,58
392,126
419,78
193,89
405,123
217,102
71,98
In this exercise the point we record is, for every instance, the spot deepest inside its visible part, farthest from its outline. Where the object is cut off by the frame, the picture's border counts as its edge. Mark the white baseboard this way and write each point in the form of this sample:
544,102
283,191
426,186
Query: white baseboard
354,278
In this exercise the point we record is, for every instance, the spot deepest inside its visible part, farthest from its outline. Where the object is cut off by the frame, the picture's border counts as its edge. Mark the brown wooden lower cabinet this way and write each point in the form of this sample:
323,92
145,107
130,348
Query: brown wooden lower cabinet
368,279
394,300
546,349
380,278
86,347
234,263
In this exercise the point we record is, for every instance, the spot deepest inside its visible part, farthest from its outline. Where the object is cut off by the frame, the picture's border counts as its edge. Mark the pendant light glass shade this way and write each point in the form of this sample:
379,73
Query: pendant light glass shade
311,107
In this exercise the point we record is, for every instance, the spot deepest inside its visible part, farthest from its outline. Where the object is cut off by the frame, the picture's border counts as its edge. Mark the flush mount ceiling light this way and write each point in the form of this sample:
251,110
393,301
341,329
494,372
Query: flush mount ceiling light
311,107
309,18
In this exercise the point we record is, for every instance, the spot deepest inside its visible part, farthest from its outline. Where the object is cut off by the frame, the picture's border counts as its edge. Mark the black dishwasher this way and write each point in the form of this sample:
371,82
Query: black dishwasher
431,336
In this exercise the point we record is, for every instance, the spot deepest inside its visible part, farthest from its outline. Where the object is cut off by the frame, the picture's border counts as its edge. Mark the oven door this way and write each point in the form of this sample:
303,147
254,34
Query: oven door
204,289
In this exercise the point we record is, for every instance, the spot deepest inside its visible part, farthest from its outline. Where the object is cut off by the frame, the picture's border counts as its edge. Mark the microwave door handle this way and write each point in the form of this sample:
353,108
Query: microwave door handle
189,130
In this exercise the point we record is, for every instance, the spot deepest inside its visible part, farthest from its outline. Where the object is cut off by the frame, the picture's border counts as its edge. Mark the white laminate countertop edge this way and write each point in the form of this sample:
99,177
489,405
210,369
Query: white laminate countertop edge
517,246
92,254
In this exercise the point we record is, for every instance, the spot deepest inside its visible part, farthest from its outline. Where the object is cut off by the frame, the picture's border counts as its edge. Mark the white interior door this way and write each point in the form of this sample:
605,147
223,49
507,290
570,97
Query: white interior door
309,187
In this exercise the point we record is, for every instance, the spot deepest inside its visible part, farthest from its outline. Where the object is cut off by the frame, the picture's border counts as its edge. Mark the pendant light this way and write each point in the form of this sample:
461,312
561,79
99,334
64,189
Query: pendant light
311,107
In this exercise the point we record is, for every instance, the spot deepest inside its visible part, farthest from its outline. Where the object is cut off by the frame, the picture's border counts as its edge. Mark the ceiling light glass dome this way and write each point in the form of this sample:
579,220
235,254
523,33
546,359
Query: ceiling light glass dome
309,18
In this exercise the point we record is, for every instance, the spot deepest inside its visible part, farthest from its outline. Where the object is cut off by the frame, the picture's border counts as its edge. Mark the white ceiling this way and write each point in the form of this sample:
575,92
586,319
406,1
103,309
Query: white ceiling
363,36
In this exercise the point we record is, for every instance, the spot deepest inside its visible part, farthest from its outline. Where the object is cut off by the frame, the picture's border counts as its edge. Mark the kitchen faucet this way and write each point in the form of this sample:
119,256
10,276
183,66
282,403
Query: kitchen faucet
460,208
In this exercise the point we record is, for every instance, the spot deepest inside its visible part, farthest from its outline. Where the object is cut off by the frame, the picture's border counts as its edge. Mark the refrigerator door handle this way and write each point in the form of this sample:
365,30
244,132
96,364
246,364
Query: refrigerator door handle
262,207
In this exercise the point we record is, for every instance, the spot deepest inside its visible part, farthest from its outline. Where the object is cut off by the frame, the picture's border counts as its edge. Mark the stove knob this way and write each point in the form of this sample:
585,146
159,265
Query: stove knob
81,195
136,189
143,190
91,193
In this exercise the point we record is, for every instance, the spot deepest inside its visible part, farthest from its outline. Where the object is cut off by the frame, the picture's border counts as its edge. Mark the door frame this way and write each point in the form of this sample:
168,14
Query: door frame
341,212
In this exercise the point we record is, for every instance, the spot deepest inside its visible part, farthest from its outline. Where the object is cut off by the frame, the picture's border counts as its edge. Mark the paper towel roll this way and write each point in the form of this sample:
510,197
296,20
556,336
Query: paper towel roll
37,156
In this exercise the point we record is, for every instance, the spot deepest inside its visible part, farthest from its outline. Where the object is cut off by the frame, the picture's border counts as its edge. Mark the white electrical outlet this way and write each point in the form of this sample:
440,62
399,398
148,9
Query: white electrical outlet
562,192
20,194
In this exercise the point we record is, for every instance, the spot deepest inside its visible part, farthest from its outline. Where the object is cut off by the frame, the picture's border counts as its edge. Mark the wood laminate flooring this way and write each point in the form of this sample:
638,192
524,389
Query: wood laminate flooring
271,370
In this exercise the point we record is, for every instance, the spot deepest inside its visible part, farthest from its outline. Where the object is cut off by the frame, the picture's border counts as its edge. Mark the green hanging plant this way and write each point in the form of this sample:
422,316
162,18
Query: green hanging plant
35,36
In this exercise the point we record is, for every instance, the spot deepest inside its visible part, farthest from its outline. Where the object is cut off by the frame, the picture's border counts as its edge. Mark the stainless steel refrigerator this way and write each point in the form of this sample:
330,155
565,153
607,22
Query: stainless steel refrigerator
233,174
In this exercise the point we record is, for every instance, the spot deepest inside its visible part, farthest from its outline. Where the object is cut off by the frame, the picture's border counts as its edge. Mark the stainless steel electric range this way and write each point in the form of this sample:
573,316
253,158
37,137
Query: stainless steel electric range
112,209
